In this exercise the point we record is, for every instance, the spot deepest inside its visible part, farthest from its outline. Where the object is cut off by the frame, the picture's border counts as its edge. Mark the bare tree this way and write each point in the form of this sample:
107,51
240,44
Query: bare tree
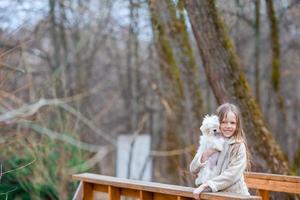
178,66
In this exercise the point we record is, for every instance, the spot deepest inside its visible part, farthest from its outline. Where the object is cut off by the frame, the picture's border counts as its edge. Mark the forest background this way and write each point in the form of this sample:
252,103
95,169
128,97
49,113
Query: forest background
76,74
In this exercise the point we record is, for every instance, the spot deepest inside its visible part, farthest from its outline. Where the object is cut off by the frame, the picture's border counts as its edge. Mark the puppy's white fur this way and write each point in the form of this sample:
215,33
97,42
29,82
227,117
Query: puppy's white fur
211,139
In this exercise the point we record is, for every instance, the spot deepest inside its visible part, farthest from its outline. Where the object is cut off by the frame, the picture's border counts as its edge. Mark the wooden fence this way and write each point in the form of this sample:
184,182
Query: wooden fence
266,183
117,187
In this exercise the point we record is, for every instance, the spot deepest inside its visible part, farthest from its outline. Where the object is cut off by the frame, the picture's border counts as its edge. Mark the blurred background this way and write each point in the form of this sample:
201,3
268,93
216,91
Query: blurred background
119,88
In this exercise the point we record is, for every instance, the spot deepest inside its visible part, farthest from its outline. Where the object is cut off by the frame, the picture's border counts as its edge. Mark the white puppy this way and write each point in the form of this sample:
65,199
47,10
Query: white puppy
211,139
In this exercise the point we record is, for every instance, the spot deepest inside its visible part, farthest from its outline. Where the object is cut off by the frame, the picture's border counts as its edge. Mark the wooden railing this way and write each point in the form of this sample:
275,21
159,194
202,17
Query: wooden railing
117,187
266,183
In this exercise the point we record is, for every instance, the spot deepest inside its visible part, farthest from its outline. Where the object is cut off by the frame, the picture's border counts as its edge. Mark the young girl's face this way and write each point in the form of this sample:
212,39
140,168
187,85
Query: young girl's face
228,125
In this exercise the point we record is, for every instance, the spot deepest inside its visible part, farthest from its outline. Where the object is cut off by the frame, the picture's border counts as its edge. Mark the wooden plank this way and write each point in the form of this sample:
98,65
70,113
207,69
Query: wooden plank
167,189
274,177
88,193
276,183
264,194
144,195
114,193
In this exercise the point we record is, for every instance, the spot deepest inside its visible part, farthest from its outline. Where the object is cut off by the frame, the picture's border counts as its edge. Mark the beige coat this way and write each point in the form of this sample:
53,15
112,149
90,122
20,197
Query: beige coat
230,168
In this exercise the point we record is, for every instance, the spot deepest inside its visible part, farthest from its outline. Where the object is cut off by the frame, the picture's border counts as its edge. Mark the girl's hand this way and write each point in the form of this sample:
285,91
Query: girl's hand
200,189
206,154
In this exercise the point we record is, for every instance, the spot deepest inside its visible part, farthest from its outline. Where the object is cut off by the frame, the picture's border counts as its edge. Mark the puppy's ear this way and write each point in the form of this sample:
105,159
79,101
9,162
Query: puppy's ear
215,117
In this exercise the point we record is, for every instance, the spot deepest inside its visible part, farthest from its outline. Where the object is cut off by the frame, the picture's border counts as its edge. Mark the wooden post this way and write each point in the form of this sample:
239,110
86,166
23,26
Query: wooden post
88,193
113,193
264,194
144,195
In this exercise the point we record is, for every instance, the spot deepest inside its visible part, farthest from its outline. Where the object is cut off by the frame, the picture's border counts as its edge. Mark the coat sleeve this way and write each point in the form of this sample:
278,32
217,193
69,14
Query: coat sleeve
196,164
233,173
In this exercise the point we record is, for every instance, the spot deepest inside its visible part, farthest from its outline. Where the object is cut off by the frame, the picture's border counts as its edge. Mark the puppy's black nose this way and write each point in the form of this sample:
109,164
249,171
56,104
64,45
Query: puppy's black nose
215,130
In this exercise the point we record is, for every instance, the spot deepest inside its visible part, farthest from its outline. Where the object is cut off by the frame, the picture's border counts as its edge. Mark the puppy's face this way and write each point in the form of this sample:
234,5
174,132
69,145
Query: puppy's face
210,125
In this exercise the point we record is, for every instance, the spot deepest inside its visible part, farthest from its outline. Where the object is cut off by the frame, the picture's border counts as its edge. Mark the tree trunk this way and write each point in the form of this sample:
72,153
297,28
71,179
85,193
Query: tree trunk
257,51
186,61
281,129
56,59
229,83
168,166
172,57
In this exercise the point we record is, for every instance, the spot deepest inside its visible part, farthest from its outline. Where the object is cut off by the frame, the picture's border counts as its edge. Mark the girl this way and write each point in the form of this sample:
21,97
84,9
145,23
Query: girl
232,161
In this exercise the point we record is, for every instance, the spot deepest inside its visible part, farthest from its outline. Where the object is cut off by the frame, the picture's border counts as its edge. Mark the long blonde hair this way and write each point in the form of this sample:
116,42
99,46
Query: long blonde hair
239,133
